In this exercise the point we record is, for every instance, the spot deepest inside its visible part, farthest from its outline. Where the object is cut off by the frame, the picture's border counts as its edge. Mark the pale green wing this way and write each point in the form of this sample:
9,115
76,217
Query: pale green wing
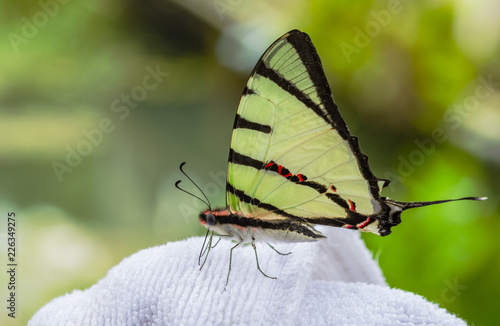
292,155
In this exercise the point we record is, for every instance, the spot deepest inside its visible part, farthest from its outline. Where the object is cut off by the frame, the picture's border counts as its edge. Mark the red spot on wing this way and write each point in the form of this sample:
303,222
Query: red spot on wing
333,188
347,226
351,205
362,225
284,172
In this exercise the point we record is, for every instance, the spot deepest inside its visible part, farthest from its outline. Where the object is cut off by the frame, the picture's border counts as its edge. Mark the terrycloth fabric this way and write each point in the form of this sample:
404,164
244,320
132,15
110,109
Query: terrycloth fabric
331,282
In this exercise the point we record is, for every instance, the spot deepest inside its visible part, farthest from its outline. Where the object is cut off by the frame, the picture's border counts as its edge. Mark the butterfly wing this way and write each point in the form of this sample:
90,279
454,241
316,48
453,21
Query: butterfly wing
292,155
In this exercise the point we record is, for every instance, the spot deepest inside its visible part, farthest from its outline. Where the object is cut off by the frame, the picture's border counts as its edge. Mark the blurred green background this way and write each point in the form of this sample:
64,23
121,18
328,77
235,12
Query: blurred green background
417,81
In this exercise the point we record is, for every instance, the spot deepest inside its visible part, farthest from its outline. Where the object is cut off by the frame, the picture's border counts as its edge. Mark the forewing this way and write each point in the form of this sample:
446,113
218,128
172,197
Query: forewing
292,155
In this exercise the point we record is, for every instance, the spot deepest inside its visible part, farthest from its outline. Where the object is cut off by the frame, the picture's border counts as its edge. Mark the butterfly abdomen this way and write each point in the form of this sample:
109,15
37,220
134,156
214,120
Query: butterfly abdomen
247,228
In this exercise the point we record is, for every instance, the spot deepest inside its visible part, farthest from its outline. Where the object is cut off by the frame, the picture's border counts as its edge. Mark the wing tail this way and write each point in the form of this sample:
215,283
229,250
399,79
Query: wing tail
407,205
393,217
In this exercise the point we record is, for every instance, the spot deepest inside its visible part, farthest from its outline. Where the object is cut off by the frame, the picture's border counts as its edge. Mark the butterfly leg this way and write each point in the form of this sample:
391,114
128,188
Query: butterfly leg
278,251
205,250
216,243
257,259
230,261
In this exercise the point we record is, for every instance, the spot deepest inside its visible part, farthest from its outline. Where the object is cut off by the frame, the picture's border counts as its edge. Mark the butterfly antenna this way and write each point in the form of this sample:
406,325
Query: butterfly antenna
206,202
189,193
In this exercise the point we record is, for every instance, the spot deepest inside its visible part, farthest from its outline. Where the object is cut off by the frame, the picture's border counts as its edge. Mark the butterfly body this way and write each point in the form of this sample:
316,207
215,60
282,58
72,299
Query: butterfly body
248,229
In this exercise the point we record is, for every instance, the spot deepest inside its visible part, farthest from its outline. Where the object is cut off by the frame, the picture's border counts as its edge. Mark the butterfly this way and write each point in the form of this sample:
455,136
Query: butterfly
293,162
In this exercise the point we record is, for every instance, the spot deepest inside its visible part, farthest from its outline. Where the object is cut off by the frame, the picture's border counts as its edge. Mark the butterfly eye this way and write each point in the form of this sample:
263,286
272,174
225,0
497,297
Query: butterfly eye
210,218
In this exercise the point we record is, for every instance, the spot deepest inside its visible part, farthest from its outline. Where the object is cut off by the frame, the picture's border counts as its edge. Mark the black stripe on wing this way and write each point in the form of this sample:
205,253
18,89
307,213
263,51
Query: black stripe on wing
240,194
237,158
243,123
289,87
300,179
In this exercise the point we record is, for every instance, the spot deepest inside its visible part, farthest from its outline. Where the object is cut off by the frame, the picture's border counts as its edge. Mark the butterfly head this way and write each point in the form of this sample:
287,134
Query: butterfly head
216,220
208,218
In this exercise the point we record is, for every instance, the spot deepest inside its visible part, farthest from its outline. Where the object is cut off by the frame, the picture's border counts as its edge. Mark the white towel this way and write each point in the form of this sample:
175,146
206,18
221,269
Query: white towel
333,281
